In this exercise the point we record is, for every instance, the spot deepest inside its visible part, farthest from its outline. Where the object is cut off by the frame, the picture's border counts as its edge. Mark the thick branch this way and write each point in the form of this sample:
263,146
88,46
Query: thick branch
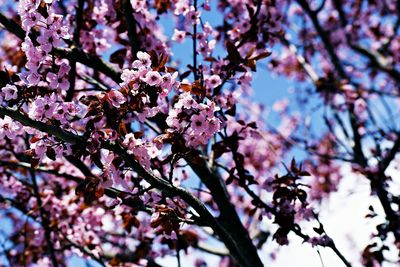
44,220
228,215
76,41
387,159
225,234
41,126
131,26
12,26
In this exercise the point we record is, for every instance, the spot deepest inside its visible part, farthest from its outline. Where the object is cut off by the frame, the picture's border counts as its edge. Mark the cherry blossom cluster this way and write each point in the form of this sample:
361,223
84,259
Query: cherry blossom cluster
52,32
142,74
49,107
141,150
195,121
140,81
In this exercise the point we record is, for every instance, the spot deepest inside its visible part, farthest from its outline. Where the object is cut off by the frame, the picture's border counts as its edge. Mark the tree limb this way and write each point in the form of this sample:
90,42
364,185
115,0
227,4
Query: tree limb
76,41
131,26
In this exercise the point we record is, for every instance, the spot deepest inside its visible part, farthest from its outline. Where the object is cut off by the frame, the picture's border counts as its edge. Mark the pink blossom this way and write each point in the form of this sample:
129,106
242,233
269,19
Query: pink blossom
168,82
57,80
172,119
44,107
153,151
213,81
153,78
143,60
47,41
116,98
198,123
138,5
40,149
33,79
30,19
192,16
10,92
186,101
8,128
179,36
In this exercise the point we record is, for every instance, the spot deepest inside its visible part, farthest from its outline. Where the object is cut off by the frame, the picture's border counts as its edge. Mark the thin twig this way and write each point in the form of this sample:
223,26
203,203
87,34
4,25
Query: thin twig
194,38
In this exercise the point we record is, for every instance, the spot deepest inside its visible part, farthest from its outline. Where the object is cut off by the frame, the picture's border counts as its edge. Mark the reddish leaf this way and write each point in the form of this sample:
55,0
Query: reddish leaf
51,153
185,74
262,55
34,139
118,57
233,53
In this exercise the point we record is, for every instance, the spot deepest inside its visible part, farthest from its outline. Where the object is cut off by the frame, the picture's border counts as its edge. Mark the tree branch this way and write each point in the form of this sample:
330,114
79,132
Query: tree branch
324,37
41,126
76,43
44,220
228,215
194,40
134,203
131,26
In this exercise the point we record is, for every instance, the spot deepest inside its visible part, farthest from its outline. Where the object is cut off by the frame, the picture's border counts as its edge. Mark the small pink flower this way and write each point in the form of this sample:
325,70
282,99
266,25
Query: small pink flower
58,80
30,19
8,128
168,81
44,106
116,98
179,36
281,105
186,101
153,78
192,16
33,79
213,81
172,119
40,148
112,203
153,151
138,5
10,92
198,123
143,60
